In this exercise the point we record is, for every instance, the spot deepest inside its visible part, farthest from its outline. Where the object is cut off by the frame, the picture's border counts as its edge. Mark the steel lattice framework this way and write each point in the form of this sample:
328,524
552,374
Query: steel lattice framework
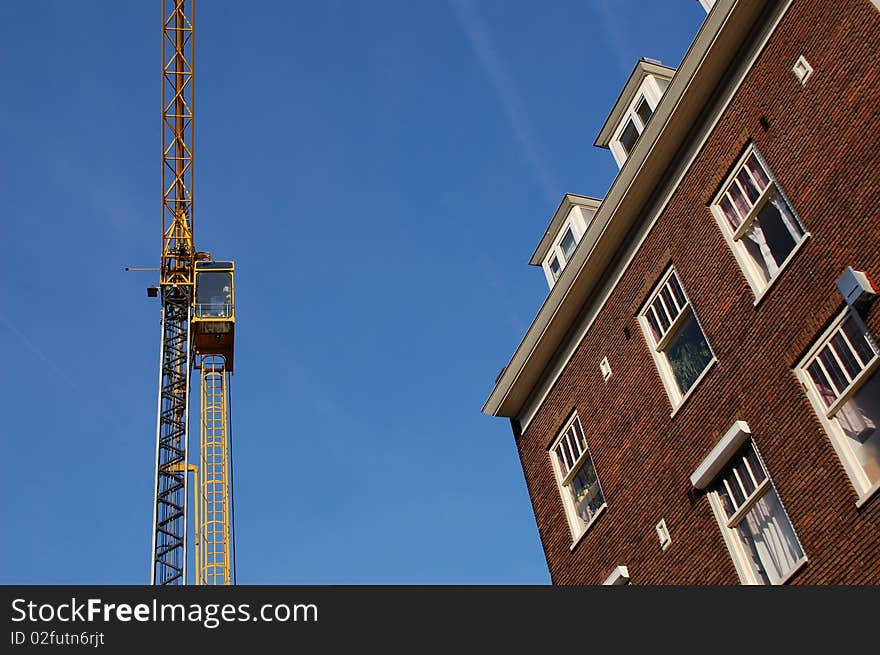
177,282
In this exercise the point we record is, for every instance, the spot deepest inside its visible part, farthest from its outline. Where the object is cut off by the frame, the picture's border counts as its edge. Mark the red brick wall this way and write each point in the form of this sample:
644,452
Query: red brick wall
822,144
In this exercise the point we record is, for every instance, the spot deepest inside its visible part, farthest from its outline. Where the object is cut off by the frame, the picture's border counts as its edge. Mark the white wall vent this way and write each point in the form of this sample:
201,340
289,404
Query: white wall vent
663,534
802,70
605,367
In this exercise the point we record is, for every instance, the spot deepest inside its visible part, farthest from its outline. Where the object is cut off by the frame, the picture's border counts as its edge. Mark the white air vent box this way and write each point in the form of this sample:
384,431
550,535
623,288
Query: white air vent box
855,287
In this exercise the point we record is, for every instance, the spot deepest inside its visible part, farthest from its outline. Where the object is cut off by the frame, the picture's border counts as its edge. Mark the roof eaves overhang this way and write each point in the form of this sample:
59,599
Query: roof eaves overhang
702,68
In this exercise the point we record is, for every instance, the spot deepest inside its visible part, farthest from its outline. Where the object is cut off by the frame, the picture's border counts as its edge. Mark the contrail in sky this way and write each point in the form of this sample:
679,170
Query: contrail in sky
614,34
37,352
481,41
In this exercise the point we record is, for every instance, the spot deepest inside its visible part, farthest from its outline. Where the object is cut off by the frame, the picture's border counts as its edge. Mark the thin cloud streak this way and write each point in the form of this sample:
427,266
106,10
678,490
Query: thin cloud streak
38,353
481,41
614,34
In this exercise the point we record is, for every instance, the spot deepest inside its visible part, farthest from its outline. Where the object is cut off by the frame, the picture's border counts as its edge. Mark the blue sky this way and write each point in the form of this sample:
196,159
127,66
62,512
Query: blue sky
380,172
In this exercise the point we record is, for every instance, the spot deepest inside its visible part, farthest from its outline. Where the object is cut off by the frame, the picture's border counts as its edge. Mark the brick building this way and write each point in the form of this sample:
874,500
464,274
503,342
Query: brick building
697,400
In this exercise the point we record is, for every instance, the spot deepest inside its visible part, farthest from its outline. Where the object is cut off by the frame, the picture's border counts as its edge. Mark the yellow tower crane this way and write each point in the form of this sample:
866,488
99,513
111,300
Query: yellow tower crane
198,333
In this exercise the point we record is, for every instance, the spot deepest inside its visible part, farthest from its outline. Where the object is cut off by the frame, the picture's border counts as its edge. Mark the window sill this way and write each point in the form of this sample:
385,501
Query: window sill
759,296
693,388
587,527
868,495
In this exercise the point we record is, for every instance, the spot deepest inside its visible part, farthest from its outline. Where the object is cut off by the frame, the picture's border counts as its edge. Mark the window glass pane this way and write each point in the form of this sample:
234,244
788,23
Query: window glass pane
838,379
755,465
555,268
745,479
582,442
206,265
670,303
757,171
754,561
573,444
562,459
859,419
214,294
671,308
688,354
845,355
822,385
730,214
585,492
567,244
655,327
629,136
739,200
748,186
733,485
859,340
772,534
644,111
780,231
726,501
572,453
677,291
665,321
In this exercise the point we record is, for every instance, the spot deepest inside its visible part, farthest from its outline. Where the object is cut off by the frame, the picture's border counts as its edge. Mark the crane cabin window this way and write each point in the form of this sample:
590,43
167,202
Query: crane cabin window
213,290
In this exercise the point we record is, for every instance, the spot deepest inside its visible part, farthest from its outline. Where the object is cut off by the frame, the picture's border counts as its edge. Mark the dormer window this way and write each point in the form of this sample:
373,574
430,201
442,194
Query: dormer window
566,229
555,267
561,252
634,108
630,135
635,124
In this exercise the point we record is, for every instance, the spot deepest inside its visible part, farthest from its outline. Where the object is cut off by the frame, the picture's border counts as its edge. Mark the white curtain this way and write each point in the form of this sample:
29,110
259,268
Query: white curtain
756,234
774,538
859,418
854,422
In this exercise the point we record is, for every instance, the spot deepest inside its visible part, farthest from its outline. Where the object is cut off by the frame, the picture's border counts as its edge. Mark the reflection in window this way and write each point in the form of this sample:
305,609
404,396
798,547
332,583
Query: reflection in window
213,294
677,339
760,222
844,375
753,511
577,476
644,111
629,136
636,121
567,244
688,354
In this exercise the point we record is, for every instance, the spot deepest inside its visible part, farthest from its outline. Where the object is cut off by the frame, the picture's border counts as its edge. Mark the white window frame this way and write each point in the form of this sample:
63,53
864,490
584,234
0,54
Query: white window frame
734,238
616,145
658,348
860,481
565,477
708,473
556,249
